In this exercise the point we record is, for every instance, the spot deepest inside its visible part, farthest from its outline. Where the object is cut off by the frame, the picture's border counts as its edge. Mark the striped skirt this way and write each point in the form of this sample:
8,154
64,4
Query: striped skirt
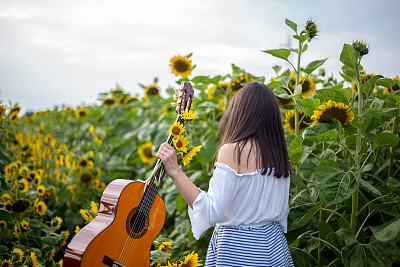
245,246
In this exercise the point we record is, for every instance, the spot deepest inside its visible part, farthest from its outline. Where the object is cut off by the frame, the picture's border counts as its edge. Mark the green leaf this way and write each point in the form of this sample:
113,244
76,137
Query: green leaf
322,131
158,255
298,89
349,56
369,86
365,255
338,94
295,145
300,222
306,170
4,215
386,139
292,25
297,180
49,240
373,118
389,231
282,93
279,53
309,105
386,82
305,197
370,188
276,68
394,185
274,84
314,65
334,184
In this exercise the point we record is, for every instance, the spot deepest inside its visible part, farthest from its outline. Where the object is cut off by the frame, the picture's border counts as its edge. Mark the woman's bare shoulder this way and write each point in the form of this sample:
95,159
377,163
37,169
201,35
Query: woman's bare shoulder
226,155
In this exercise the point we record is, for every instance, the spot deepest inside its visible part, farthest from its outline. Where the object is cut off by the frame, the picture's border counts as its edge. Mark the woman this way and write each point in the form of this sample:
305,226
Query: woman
248,194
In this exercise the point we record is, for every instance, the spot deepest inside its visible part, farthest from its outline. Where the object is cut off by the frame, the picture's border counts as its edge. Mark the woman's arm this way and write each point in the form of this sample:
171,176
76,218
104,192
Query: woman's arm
167,154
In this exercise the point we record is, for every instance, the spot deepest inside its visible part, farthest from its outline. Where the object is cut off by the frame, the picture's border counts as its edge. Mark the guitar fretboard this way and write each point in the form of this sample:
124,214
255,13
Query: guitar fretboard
155,183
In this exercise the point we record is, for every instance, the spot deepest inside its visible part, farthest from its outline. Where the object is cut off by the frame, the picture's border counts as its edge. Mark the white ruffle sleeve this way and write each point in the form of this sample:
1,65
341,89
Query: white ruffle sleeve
208,208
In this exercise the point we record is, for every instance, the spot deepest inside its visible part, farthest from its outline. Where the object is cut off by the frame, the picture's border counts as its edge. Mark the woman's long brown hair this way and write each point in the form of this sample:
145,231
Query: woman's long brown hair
253,115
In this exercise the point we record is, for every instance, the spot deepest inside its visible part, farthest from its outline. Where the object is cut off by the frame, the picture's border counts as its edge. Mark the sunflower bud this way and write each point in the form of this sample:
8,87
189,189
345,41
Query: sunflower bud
361,47
311,29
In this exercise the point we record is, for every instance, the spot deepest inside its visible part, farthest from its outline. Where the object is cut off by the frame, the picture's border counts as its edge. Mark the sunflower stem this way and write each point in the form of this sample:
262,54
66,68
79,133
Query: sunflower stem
296,105
354,198
391,150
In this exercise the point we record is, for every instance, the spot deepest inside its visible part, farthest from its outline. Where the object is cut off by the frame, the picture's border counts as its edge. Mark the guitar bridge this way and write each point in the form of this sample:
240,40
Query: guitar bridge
110,262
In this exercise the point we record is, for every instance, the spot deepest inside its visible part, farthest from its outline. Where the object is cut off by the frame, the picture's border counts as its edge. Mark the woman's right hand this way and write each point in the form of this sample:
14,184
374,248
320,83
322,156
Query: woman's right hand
167,154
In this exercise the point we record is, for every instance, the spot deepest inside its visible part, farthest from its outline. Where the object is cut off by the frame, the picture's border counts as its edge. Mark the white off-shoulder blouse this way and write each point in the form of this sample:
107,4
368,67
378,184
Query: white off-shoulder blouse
244,200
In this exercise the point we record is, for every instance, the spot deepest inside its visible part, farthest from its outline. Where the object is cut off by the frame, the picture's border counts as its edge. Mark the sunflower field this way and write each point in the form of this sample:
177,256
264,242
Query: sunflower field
341,133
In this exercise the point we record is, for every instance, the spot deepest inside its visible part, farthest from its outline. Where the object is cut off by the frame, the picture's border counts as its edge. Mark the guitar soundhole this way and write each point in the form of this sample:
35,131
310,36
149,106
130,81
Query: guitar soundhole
137,223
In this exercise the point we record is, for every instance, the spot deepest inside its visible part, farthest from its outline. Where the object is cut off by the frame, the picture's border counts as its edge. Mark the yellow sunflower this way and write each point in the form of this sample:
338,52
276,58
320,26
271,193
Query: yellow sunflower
93,207
180,143
3,224
86,215
330,110
13,117
188,156
181,66
150,91
109,102
77,229
100,187
81,113
164,247
3,110
176,129
6,198
24,225
290,121
395,87
48,138
145,153
128,100
308,86
15,108
85,163
41,208
17,254
223,86
41,190
6,263
33,258
17,231
23,186
191,260
189,115
56,223
236,84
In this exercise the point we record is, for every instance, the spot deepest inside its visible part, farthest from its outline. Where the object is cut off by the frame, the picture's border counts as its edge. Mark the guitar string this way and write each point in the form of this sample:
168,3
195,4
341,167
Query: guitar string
130,245
148,201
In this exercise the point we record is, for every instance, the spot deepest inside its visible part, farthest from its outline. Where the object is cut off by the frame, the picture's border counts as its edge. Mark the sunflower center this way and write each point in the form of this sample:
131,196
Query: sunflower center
335,113
109,101
396,87
82,113
152,91
181,66
83,163
305,87
176,130
86,177
179,144
147,152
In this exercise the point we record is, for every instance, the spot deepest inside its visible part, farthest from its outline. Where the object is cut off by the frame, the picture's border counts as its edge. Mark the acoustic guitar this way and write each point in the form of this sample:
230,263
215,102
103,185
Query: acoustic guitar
130,216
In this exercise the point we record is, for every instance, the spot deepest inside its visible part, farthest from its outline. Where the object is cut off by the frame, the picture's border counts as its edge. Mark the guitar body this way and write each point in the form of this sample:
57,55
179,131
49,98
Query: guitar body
109,238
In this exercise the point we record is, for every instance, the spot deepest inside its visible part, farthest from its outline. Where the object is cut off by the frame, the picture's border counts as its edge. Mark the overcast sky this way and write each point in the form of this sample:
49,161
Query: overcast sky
67,52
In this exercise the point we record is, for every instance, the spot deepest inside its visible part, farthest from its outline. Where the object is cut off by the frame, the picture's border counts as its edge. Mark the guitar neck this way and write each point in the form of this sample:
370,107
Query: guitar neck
159,171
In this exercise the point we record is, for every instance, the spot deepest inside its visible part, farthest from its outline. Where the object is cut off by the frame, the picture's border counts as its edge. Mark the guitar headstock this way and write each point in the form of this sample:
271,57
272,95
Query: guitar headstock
184,97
